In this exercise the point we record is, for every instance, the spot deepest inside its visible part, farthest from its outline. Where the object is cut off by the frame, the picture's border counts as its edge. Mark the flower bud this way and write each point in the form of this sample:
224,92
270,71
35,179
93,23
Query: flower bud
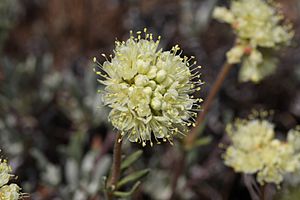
161,75
141,80
235,54
156,103
142,67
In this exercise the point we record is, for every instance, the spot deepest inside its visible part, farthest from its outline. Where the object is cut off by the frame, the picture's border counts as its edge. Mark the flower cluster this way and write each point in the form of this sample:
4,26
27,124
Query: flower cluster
149,90
7,191
255,150
259,31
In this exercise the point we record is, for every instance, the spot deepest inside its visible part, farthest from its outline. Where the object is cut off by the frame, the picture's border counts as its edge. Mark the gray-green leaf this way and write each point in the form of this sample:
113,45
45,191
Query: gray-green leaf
129,193
133,177
203,141
131,159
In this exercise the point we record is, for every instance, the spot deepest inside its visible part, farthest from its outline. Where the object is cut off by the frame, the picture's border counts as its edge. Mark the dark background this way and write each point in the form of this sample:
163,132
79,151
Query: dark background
50,120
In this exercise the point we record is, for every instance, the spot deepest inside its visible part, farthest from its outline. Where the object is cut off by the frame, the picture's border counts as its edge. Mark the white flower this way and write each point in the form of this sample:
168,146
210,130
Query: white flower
149,90
258,28
10,192
5,171
254,150
7,191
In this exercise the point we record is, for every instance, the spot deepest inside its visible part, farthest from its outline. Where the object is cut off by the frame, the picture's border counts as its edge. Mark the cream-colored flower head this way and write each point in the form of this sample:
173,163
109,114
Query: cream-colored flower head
255,150
294,138
149,90
10,192
259,31
7,191
5,171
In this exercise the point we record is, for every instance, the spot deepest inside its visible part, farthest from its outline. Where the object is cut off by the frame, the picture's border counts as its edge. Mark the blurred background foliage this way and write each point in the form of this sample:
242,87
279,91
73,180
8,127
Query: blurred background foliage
54,129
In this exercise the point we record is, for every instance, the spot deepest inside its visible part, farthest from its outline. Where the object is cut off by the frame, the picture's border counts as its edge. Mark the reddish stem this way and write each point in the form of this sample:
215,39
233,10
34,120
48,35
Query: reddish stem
207,103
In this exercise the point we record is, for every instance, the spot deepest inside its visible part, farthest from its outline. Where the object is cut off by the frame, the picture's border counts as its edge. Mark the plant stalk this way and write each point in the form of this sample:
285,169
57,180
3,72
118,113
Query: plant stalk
116,166
263,192
207,103
178,170
189,140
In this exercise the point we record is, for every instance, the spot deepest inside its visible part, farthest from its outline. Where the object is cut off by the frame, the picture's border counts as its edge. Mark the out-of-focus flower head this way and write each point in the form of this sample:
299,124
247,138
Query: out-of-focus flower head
255,150
5,171
294,138
259,31
149,90
8,191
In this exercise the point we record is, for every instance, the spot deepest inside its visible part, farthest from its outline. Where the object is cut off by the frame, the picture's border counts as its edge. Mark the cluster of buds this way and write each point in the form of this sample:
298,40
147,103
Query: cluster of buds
149,90
260,31
255,150
7,191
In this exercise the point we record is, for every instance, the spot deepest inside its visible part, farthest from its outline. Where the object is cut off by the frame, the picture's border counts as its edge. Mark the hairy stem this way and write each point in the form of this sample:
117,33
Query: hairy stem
116,167
207,103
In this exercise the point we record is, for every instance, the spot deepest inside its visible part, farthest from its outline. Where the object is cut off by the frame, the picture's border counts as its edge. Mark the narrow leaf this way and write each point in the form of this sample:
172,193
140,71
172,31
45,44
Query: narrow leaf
203,141
131,159
133,177
129,193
